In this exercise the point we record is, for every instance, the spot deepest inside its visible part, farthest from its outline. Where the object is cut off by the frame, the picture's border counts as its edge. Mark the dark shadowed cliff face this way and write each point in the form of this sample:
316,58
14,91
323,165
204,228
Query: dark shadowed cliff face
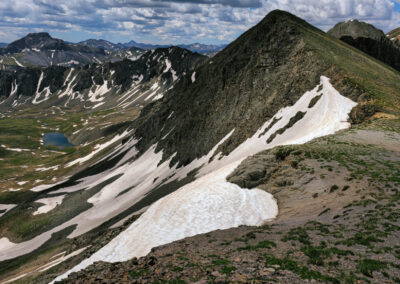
368,39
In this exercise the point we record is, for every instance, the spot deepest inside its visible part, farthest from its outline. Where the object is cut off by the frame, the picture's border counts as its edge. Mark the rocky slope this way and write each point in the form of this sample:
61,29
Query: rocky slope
282,82
370,40
97,85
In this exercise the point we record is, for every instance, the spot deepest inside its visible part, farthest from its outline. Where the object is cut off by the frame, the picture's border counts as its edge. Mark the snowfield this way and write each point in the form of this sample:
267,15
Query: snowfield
208,203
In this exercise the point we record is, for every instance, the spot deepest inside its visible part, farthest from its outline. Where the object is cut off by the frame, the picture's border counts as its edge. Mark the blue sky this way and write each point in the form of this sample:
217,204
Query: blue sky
177,21
397,7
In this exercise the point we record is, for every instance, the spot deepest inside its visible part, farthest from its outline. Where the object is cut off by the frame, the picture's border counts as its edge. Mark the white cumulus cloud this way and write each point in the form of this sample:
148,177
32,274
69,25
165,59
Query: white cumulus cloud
177,21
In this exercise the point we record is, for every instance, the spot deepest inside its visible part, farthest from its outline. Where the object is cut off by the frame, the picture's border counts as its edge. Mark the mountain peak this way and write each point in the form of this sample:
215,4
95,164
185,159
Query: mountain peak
43,35
356,29
370,40
281,16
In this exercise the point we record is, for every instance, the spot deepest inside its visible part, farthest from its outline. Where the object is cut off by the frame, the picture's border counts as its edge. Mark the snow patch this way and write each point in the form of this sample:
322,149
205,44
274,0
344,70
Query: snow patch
98,148
16,61
49,204
14,88
6,207
207,204
15,149
45,186
99,91
54,168
59,260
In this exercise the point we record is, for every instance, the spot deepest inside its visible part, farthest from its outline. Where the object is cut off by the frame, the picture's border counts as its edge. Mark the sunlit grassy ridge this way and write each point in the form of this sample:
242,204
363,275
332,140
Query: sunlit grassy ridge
370,76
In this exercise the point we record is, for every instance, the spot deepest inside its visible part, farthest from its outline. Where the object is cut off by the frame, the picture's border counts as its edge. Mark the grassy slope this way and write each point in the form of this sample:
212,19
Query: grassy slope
24,130
362,71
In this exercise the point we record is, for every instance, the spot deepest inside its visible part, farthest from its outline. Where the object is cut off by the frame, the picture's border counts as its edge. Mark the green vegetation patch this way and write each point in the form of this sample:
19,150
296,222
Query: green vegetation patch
368,266
302,271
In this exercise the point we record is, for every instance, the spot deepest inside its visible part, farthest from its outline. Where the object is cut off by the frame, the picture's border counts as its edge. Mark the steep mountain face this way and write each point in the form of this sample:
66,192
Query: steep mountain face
267,68
394,36
40,49
368,39
282,82
98,85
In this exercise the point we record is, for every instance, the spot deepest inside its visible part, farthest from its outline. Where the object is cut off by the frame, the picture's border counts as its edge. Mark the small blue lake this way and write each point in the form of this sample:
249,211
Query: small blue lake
56,139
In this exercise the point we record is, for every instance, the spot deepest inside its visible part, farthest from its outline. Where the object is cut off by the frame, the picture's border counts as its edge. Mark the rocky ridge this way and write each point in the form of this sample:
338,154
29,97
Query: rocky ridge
368,39
61,86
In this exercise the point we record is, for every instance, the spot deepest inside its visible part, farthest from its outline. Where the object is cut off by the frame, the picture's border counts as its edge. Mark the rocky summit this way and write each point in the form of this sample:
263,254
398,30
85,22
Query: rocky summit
275,161
370,40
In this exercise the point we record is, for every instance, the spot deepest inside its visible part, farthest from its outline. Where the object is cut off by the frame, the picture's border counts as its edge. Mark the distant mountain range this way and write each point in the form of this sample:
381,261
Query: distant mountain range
3,44
40,49
194,47
104,44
